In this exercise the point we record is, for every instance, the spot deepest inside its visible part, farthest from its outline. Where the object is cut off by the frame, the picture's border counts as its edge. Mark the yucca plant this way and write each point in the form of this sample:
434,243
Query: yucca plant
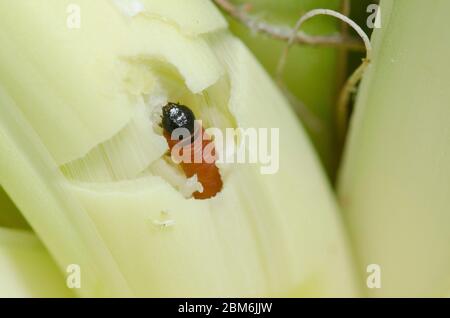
84,163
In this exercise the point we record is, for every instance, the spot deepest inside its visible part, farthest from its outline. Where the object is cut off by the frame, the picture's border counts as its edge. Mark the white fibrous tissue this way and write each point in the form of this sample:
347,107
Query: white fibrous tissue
192,185
155,103
130,8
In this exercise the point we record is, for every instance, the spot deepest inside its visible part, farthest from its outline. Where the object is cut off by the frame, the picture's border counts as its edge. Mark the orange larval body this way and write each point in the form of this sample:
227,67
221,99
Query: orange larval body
207,173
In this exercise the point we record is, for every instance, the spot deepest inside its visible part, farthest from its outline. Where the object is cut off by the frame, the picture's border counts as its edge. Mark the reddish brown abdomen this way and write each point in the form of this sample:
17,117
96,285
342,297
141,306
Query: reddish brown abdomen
207,173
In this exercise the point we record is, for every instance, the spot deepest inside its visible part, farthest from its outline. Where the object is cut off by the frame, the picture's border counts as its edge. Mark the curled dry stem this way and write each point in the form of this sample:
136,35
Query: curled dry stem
295,36
282,33
352,81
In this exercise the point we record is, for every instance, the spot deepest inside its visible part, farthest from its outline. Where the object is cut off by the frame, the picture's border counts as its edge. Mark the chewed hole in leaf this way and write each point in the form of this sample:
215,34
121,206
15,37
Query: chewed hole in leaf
139,149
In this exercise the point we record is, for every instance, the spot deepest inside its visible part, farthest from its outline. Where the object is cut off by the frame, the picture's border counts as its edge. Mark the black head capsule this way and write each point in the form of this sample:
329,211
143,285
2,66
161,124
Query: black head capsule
177,116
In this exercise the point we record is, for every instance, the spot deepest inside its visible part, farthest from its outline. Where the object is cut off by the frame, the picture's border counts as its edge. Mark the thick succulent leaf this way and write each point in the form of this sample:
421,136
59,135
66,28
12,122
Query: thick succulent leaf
26,269
262,235
395,181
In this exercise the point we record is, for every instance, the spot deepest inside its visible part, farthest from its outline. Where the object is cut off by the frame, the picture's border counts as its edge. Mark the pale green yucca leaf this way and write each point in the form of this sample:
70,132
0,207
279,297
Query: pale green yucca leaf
26,269
87,173
395,181
10,216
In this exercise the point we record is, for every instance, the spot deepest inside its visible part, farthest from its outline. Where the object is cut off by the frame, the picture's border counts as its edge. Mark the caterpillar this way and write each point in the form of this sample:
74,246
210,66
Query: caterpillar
175,116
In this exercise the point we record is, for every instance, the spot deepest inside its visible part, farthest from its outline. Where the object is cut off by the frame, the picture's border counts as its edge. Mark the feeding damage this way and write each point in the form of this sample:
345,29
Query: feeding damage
176,117
139,150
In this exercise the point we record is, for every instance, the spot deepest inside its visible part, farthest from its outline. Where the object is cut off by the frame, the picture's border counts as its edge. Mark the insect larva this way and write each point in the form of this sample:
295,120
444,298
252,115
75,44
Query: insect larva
179,116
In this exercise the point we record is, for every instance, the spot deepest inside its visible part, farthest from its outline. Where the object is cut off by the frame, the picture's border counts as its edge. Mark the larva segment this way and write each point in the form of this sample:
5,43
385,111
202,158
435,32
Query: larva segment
207,173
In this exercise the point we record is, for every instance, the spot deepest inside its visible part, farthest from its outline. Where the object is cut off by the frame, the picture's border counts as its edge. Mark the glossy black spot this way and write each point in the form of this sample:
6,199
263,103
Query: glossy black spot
177,116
